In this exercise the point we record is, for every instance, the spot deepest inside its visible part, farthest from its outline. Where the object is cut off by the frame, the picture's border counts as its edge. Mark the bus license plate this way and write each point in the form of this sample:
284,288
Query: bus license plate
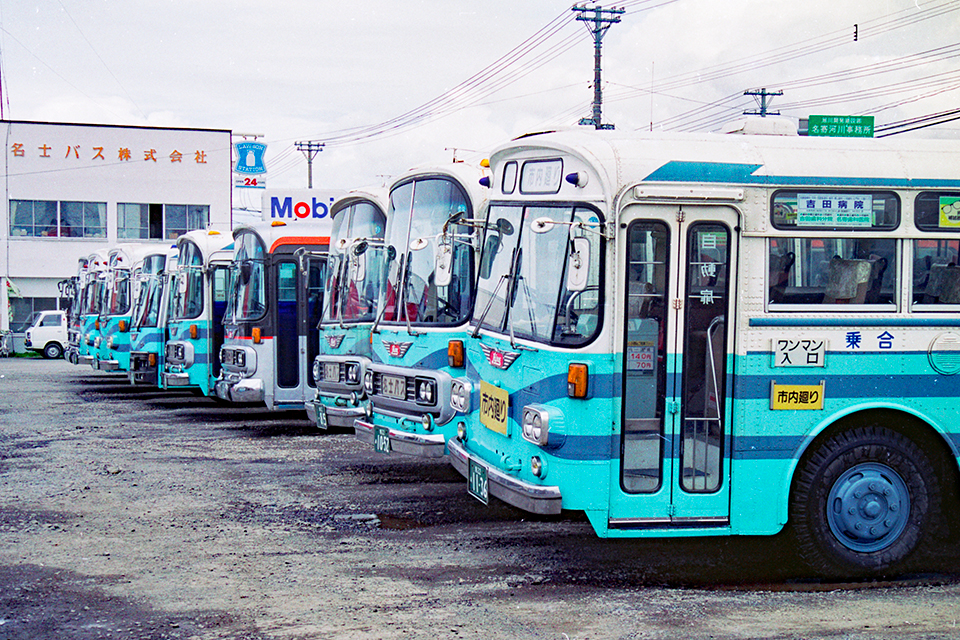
477,481
321,416
381,439
331,372
394,387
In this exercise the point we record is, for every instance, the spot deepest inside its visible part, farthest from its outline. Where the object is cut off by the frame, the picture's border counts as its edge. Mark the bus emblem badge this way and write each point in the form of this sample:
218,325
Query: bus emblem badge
334,341
499,359
397,349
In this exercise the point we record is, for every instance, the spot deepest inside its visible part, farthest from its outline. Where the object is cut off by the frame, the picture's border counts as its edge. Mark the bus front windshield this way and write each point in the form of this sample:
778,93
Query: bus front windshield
419,213
247,300
118,293
187,294
356,250
146,306
525,287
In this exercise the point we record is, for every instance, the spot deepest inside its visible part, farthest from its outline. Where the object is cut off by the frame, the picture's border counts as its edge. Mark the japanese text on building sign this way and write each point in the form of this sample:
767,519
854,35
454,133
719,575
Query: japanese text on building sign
841,126
124,154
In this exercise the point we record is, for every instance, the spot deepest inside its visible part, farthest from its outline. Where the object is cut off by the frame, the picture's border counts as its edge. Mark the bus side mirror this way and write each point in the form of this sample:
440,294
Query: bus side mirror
358,263
491,247
578,264
443,271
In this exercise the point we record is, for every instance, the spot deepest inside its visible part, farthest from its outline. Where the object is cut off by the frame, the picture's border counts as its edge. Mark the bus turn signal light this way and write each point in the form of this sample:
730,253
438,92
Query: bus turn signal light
193,332
123,326
577,381
256,335
455,357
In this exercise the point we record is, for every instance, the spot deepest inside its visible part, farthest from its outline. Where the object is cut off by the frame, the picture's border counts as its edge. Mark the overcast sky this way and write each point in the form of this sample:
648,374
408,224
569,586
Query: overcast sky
357,75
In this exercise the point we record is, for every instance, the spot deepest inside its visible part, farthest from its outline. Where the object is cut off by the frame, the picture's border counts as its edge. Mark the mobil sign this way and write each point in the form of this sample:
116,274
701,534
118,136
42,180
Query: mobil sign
299,205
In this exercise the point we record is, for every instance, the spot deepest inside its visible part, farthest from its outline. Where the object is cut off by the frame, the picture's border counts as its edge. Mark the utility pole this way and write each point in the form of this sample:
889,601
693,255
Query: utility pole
597,25
763,94
310,150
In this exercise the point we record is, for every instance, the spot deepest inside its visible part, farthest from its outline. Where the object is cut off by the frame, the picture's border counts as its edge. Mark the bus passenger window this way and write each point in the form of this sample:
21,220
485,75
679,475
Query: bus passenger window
936,275
831,271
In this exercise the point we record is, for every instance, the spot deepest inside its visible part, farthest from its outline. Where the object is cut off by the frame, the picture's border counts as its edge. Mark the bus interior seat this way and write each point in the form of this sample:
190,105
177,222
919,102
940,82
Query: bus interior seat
847,281
950,285
878,267
936,280
780,268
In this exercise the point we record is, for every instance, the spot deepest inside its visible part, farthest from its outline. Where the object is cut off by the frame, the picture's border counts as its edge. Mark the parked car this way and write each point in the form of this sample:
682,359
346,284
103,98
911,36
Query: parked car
47,333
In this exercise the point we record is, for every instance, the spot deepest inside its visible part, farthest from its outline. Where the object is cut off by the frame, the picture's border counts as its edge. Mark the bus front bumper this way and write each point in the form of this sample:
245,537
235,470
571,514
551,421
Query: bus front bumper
241,390
325,416
106,365
534,498
411,444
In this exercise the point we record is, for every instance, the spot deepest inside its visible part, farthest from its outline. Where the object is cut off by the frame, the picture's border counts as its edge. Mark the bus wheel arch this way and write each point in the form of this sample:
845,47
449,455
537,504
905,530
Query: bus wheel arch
868,491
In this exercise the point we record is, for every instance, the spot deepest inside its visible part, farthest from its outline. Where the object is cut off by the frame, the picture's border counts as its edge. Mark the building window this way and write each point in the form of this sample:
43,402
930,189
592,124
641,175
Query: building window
25,308
160,221
33,218
83,219
47,218
133,221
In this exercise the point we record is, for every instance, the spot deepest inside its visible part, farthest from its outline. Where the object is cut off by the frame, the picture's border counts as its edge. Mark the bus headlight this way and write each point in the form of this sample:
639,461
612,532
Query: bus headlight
110,342
353,373
536,425
426,391
316,369
460,396
368,382
461,431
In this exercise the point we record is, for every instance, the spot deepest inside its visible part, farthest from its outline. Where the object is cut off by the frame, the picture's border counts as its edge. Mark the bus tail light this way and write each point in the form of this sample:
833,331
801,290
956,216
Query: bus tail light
193,332
577,381
455,357
256,335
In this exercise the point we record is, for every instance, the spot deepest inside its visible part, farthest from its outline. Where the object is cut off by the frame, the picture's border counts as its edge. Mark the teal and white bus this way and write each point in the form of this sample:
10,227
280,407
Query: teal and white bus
428,295
693,335
148,322
351,294
197,304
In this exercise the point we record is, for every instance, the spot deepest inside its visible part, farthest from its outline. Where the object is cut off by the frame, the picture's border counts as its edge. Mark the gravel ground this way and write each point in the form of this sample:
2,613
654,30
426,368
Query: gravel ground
134,513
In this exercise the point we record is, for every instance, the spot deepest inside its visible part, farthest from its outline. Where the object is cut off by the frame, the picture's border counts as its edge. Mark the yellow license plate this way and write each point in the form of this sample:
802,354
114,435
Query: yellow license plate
494,403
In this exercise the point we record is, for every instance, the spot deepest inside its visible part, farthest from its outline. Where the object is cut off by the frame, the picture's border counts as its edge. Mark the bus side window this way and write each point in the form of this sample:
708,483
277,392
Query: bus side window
936,275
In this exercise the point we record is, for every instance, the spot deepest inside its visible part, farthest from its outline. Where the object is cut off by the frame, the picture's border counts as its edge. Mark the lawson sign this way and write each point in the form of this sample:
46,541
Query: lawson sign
299,206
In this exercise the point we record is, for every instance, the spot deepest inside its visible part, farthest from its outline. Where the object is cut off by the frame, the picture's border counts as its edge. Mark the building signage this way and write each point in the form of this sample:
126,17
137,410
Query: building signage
307,205
841,126
250,166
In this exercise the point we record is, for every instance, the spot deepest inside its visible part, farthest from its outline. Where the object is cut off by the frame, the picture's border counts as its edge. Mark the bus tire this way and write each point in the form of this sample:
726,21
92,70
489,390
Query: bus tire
863,503
52,351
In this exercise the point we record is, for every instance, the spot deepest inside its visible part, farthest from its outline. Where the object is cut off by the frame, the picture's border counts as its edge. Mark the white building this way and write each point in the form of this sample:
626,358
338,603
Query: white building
70,189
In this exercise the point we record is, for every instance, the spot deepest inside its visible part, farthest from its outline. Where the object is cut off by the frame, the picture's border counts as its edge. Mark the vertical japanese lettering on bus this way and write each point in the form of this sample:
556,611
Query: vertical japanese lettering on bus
494,403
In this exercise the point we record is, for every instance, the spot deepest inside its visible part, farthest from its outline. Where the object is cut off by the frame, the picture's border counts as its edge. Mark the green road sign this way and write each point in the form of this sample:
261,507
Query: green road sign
841,126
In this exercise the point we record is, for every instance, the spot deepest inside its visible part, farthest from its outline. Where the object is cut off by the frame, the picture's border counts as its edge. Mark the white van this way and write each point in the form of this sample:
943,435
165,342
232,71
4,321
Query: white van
47,333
